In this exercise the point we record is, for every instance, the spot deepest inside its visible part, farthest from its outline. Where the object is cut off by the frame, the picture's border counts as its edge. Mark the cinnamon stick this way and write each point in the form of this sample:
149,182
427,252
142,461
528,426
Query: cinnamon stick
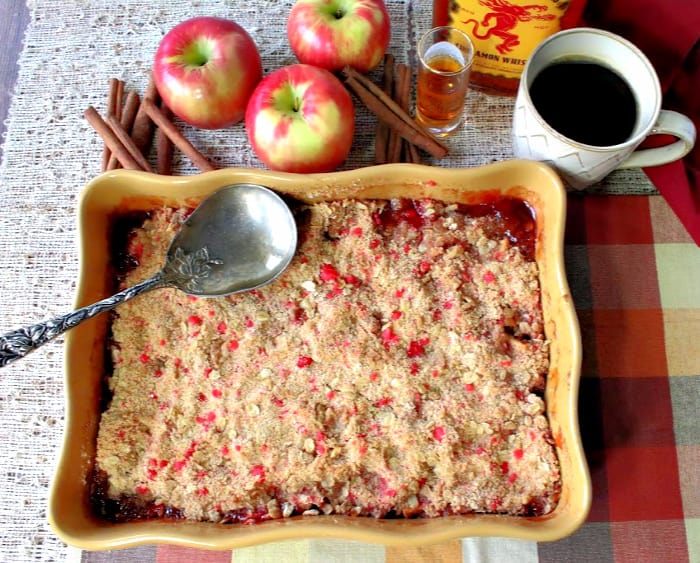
142,130
408,150
401,94
128,143
111,108
178,139
128,114
412,155
131,107
118,99
164,146
110,139
383,131
389,111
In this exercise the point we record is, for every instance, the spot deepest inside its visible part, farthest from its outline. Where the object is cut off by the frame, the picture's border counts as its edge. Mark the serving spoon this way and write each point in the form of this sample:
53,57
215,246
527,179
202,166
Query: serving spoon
240,238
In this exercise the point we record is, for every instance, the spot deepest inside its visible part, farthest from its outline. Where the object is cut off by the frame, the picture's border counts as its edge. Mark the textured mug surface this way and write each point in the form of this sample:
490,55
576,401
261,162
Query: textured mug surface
578,163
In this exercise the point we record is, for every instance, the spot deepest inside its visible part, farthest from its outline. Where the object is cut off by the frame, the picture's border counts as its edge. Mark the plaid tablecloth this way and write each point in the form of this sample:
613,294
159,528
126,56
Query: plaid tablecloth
634,273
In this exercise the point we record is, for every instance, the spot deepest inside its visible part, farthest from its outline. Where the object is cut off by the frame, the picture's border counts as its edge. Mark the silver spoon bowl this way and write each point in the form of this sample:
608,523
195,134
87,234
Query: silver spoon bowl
240,238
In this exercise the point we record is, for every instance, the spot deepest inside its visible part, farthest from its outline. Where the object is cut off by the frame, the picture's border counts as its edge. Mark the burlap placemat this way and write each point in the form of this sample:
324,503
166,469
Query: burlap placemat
71,50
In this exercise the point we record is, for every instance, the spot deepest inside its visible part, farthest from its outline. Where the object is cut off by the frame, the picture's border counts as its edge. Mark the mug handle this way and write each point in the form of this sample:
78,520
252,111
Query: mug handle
668,123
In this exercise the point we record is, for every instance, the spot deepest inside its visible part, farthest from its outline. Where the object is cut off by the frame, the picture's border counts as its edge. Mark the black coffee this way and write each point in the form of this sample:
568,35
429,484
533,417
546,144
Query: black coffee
586,102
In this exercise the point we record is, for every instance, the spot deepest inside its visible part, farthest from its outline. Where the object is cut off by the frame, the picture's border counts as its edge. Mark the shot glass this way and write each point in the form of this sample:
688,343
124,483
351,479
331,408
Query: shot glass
445,56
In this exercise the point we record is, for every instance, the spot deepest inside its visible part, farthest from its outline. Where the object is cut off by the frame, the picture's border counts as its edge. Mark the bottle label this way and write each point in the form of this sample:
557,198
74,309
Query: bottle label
504,32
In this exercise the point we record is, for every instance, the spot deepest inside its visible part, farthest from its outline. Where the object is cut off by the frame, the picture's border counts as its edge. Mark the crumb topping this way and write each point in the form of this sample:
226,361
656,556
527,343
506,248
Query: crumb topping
396,368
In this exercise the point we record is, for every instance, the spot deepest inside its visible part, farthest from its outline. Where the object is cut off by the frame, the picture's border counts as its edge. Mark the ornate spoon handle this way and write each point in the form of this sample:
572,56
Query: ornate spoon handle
19,343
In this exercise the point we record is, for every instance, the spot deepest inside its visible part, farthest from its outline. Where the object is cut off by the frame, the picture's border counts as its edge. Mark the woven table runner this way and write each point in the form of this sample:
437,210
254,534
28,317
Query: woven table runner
71,50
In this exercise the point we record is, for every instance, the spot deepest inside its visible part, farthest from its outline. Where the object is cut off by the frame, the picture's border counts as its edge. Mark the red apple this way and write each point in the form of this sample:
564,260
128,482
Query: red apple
335,33
301,118
205,70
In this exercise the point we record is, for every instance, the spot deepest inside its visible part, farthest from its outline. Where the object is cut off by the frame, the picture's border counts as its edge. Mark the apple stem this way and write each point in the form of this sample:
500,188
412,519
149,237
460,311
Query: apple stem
197,54
339,13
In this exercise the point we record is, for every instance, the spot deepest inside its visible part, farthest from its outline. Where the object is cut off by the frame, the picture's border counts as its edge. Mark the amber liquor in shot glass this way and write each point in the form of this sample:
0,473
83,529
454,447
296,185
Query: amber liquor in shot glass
445,56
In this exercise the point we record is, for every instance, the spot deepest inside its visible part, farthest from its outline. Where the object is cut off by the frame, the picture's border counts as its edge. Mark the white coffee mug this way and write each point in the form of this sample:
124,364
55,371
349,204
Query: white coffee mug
582,164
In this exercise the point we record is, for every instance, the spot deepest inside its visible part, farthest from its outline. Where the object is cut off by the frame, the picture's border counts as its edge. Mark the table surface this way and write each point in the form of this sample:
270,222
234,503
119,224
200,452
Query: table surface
633,273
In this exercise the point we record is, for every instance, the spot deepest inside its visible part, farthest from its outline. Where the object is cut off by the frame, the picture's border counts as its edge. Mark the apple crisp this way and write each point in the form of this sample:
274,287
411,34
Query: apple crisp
396,369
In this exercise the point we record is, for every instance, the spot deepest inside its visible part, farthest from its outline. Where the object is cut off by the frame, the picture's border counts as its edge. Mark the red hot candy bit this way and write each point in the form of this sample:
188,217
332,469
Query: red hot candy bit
439,433
137,251
389,337
320,443
190,450
416,348
352,279
424,267
304,361
328,273
259,472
